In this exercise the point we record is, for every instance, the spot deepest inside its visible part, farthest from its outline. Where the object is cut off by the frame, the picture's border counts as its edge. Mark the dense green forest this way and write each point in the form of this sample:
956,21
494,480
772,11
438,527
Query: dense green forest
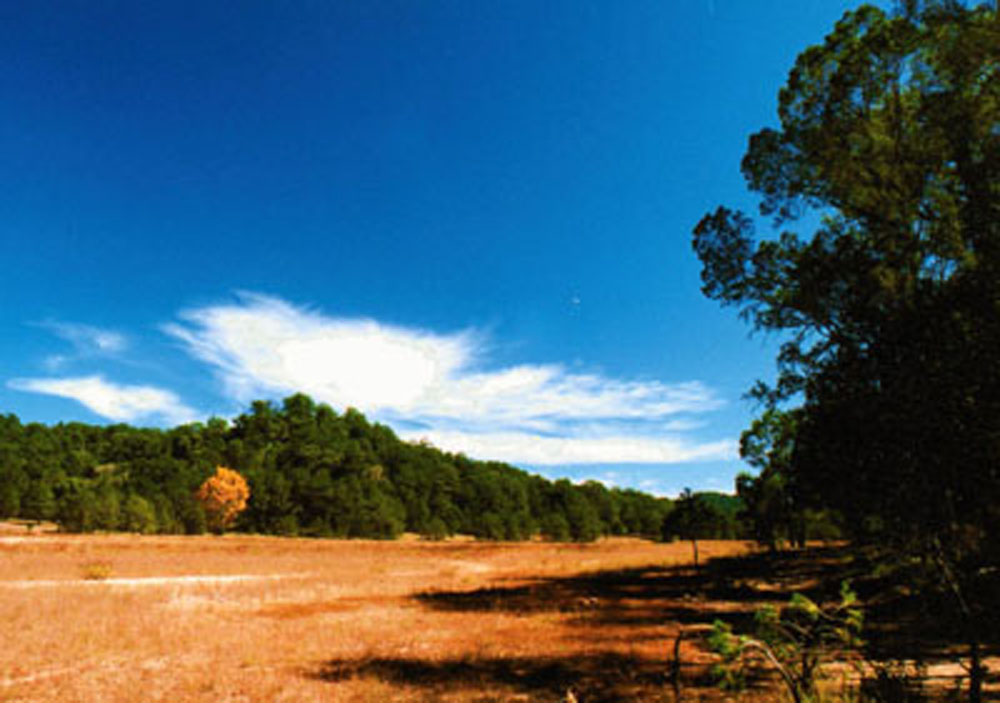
312,472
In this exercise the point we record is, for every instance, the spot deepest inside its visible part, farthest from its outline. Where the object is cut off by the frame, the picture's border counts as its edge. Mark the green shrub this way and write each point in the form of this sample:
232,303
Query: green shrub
794,640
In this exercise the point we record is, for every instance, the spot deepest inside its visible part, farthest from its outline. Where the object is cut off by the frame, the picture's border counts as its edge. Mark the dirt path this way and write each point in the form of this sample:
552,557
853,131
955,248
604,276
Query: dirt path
150,580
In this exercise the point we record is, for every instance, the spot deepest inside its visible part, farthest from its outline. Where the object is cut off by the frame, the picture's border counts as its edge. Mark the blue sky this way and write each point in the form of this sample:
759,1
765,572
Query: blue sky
471,220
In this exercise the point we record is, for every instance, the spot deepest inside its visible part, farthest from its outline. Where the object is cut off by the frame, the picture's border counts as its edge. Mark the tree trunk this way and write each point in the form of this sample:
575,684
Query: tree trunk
977,672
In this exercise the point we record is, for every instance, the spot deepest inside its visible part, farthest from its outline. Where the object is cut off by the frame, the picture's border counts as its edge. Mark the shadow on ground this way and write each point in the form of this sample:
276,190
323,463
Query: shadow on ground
728,589
612,610
605,678
616,608
901,621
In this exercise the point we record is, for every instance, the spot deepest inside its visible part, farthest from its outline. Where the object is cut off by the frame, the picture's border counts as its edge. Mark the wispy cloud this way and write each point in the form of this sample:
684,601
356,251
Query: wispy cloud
87,341
574,448
110,400
86,338
443,383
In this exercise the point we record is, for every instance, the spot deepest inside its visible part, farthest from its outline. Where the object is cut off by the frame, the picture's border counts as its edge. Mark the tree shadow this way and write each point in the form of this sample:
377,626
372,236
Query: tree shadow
598,678
614,608
729,589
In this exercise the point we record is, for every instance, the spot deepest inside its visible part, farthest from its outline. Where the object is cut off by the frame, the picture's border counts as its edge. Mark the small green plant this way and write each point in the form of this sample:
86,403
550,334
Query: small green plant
794,640
729,647
96,570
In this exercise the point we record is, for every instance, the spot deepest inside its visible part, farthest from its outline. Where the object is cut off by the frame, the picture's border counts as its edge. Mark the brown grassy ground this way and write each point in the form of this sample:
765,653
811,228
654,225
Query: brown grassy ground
129,618
117,618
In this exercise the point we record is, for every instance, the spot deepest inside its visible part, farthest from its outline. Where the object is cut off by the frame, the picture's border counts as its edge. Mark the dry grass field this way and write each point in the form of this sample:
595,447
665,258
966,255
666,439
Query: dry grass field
130,618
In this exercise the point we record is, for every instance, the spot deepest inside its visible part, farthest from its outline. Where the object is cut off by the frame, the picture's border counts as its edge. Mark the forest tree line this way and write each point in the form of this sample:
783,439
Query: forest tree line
313,472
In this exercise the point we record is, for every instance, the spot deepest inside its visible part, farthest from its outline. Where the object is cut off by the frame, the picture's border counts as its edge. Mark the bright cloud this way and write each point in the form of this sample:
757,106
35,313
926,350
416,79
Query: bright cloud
267,346
115,402
262,346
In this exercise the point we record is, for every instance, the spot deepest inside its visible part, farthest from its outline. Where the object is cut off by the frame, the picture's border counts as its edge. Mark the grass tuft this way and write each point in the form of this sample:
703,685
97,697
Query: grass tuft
96,570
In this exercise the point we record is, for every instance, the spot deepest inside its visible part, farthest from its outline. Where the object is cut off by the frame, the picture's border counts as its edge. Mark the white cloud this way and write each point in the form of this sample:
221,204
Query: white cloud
261,346
523,447
115,402
88,340
267,346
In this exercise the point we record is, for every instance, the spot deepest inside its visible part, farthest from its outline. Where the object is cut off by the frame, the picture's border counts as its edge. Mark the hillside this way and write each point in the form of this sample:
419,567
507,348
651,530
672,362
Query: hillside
312,471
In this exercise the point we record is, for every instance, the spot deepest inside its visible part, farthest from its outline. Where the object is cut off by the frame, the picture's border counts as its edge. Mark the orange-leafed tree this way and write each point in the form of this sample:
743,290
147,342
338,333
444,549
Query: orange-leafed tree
223,496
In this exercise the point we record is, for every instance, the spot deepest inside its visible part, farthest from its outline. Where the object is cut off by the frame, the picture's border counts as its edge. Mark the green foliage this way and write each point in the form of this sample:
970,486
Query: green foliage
702,516
770,497
890,304
794,640
138,515
12,480
77,508
555,527
107,506
10,499
38,502
435,529
728,675
883,280
311,472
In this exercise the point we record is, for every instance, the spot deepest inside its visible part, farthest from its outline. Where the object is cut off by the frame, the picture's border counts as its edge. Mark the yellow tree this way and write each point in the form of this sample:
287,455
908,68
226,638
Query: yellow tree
223,496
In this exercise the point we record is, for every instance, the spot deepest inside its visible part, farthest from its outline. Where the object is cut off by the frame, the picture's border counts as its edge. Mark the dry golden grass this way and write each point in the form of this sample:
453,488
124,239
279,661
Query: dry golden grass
298,620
